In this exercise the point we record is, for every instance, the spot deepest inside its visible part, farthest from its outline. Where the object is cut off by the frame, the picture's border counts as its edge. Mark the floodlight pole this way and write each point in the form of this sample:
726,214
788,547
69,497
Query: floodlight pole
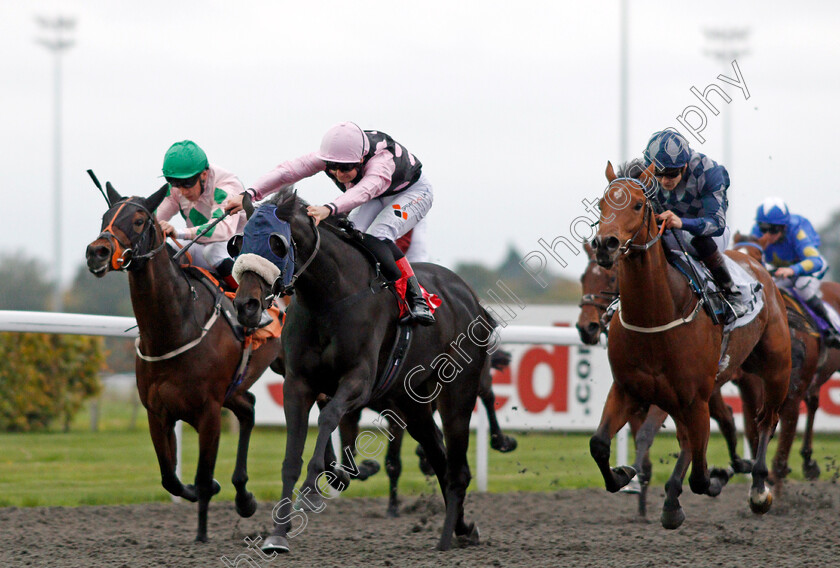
59,26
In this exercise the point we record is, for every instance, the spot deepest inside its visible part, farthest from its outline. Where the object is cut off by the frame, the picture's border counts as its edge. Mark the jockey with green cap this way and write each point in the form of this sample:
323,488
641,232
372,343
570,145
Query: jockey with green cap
196,191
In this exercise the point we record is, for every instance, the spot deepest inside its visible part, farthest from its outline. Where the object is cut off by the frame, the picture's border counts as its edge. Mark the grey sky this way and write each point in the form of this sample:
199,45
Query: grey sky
511,106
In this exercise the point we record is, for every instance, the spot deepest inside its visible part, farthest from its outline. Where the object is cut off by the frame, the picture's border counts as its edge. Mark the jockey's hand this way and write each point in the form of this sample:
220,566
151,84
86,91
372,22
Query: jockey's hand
319,212
233,204
784,272
670,220
168,230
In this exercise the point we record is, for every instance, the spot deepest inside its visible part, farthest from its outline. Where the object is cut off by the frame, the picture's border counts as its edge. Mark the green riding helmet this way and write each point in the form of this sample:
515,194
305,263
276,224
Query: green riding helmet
183,160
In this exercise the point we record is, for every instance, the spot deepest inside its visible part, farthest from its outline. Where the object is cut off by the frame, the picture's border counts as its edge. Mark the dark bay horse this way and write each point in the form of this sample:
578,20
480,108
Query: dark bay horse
813,364
338,335
665,350
599,287
186,358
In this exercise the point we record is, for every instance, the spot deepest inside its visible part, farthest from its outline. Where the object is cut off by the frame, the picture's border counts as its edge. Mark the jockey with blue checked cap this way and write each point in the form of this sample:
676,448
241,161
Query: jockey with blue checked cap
692,194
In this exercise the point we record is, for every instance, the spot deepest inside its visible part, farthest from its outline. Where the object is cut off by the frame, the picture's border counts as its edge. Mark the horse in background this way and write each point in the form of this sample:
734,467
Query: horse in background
599,288
665,350
813,364
188,362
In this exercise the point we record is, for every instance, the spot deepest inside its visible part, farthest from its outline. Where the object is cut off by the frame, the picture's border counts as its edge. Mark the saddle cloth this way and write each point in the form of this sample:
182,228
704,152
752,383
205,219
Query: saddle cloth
821,324
748,286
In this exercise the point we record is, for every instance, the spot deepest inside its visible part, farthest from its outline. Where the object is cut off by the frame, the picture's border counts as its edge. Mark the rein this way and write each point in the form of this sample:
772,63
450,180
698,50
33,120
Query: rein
288,289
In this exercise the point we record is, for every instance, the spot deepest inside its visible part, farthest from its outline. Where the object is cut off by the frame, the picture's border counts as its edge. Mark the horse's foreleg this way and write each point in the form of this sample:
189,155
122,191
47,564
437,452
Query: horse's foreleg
242,406
393,466
348,392
643,435
672,513
499,441
810,468
751,389
209,429
696,421
722,414
297,401
788,417
617,410
163,438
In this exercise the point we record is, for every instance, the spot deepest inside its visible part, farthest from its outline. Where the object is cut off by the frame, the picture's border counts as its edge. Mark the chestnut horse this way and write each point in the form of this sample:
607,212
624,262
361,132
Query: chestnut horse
599,287
187,360
665,350
813,364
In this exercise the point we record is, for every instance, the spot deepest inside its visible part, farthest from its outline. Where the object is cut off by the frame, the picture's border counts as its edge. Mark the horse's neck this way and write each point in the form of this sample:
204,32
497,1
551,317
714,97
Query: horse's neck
336,272
159,293
650,291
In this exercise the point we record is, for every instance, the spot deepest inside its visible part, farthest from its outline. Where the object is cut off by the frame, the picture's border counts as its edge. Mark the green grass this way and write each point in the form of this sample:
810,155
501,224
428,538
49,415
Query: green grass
118,466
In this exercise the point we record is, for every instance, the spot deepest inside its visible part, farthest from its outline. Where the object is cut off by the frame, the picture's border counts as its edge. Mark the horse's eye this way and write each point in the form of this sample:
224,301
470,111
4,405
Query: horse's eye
638,205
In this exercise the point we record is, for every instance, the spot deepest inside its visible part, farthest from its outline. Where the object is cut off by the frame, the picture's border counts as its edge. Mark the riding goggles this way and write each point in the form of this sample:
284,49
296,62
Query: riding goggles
772,229
336,166
669,173
183,182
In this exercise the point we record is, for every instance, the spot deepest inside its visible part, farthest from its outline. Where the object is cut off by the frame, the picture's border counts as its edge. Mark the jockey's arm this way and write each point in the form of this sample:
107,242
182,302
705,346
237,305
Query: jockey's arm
282,175
375,181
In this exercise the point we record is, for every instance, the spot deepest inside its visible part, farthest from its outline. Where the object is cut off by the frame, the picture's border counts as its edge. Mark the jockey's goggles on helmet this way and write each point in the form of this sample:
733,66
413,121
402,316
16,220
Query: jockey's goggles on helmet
336,166
772,229
669,173
183,182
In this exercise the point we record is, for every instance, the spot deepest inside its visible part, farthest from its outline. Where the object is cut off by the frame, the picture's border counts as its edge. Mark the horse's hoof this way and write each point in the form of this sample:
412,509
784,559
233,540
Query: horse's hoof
216,487
503,443
311,501
368,468
201,538
471,538
339,480
718,478
393,512
760,501
190,494
275,543
622,476
672,519
633,488
246,505
742,465
811,470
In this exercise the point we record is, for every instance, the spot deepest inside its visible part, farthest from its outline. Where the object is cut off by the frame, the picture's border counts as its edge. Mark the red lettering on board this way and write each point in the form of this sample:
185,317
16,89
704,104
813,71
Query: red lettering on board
558,361
276,392
828,405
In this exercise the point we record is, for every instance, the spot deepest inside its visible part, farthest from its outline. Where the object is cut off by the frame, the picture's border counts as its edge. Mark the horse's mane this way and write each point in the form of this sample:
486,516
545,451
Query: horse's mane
288,203
633,169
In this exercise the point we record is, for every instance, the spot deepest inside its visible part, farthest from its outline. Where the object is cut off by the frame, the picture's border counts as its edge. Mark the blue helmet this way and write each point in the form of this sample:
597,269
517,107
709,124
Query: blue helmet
773,211
667,149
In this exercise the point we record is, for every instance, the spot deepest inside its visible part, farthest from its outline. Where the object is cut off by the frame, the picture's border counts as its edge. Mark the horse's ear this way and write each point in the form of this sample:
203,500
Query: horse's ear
247,204
234,245
610,173
738,238
113,196
646,177
156,198
278,245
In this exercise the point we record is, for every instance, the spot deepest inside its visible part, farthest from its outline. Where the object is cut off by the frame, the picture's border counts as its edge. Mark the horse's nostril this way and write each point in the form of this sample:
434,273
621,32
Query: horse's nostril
611,243
592,327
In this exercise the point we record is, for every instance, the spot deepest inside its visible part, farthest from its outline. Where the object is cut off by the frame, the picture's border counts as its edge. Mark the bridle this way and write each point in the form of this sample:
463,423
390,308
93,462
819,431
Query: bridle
630,246
123,256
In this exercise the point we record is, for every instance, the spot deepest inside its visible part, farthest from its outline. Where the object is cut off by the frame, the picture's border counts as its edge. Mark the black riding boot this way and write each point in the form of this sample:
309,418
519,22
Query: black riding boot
717,266
832,338
417,305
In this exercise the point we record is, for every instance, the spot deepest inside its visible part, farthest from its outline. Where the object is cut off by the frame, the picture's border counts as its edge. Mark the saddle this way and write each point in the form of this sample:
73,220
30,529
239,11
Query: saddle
706,289
807,320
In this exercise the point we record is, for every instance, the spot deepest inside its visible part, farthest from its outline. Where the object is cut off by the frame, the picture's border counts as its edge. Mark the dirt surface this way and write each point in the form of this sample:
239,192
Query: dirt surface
568,528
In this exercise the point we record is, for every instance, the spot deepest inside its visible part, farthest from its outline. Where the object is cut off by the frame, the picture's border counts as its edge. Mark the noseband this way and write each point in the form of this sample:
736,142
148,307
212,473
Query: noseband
123,256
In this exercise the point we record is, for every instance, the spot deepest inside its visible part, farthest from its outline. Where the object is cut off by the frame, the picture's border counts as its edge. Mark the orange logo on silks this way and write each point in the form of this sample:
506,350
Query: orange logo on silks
399,212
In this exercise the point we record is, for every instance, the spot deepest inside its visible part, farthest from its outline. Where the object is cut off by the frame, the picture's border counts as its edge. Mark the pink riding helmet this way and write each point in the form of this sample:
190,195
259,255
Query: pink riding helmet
344,143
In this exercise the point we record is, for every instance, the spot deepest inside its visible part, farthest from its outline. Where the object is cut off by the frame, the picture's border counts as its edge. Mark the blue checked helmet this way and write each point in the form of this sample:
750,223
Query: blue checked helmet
773,211
667,149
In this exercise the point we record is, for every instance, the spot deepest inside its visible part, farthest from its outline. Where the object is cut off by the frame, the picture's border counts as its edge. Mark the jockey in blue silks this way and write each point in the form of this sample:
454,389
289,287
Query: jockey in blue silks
692,193
793,250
